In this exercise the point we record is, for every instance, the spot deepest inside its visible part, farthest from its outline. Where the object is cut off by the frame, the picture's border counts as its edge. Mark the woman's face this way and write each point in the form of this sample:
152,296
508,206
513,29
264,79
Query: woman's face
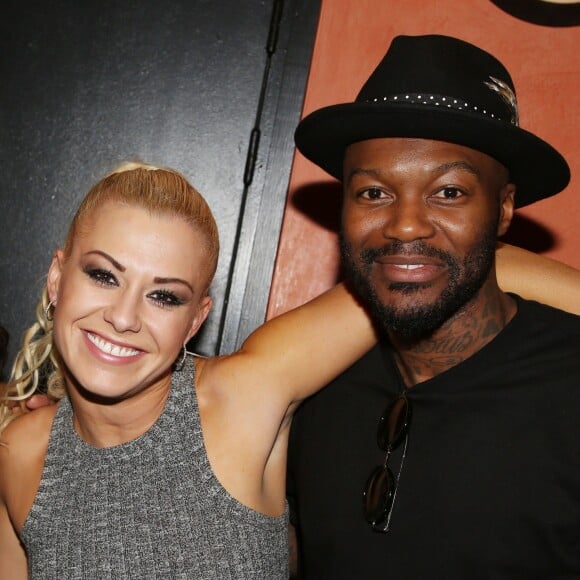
129,296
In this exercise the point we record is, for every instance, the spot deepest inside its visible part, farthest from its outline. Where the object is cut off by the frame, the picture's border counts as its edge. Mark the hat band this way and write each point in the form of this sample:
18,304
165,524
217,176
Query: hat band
443,101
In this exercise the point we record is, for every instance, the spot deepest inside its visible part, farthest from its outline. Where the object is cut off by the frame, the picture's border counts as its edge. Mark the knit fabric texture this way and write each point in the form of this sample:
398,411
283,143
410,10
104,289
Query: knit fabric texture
149,508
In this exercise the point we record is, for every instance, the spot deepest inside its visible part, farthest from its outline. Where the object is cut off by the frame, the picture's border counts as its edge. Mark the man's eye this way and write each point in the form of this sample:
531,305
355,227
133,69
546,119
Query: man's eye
165,298
101,276
372,193
449,193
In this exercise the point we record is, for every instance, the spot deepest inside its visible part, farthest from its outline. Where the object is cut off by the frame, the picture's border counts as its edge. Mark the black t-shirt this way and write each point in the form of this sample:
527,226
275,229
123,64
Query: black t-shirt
490,486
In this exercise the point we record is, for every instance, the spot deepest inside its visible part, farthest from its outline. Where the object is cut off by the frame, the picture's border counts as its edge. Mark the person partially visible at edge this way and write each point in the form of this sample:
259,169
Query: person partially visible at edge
450,450
155,464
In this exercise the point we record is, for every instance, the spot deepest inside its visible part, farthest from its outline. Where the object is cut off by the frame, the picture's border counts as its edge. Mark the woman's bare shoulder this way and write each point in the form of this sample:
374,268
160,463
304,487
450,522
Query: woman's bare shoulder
26,437
22,454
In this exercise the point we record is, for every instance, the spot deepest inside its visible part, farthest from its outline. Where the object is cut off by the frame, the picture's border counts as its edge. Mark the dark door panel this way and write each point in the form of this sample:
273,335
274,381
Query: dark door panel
88,84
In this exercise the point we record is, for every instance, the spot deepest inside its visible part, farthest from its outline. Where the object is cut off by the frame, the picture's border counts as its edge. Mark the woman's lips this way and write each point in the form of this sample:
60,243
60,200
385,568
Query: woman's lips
110,351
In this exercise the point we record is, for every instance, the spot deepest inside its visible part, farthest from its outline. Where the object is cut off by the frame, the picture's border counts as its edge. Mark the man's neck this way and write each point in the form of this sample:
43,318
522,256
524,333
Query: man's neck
469,330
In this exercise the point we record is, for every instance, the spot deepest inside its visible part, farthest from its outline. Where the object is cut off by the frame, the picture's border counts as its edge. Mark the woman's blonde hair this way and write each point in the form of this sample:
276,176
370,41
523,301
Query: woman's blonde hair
158,190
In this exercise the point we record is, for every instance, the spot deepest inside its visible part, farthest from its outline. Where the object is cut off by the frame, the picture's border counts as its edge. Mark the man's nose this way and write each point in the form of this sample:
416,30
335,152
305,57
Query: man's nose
408,220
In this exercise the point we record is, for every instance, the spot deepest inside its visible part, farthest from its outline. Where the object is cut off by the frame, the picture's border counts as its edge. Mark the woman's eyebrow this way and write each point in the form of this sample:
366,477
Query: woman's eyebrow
156,280
159,280
114,262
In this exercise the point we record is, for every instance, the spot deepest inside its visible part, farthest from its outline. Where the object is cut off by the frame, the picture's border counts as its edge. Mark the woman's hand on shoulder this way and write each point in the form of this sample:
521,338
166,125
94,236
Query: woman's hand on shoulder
38,401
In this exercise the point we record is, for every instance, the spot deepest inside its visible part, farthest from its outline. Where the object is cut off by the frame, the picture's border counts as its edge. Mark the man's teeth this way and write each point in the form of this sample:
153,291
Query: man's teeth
110,348
409,266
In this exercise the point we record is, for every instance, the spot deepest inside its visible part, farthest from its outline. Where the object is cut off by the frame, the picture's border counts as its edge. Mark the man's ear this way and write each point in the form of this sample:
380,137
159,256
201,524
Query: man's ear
54,276
507,202
202,313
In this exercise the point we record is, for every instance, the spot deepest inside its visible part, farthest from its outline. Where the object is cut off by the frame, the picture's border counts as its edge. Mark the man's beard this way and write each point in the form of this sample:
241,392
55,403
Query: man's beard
465,278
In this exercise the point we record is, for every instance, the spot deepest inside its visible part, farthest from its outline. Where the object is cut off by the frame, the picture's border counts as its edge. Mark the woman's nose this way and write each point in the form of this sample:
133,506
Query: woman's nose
124,312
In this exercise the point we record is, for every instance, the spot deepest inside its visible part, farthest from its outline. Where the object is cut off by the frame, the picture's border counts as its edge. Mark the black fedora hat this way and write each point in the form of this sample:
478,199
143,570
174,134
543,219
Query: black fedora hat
441,88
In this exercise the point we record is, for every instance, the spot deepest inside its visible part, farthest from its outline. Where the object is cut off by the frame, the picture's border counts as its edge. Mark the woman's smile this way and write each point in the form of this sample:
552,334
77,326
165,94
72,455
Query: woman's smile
111,348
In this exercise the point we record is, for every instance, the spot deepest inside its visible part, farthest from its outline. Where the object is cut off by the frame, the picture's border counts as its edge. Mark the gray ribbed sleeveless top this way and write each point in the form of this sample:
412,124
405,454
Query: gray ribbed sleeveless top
150,508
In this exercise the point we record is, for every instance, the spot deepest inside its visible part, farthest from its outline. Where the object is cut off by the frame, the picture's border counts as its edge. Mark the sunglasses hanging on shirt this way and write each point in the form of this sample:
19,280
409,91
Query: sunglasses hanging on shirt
381,487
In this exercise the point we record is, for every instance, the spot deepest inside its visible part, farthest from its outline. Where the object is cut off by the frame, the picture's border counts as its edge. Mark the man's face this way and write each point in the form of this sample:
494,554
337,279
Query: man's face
420,223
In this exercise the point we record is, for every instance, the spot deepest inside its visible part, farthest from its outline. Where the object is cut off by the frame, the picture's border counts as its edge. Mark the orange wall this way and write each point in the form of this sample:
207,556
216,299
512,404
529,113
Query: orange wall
352,37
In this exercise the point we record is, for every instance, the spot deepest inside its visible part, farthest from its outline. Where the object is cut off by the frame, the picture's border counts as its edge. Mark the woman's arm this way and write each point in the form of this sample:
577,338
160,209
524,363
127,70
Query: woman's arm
297,353
22,452
12,555
538,278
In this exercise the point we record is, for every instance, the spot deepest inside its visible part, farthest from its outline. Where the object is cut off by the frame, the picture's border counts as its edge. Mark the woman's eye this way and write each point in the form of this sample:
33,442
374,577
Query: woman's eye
449,193
101,276
165,298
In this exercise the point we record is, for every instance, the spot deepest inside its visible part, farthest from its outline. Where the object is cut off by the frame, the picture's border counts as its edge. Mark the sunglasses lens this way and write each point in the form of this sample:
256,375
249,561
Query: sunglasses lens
378,494
393,424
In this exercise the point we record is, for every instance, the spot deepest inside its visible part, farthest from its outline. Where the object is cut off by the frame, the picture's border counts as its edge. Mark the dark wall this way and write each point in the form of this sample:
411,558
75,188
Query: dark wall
187,83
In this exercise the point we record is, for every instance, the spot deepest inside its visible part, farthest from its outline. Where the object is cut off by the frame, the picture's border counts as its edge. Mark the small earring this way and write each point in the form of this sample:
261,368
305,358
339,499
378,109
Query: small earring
179,366
47,311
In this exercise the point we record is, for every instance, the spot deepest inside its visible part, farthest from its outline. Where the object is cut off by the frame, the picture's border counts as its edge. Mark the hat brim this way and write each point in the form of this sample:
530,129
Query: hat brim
536,168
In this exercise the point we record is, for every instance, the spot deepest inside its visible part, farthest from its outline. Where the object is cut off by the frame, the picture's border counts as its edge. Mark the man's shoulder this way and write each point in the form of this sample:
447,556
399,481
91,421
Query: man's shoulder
547,336
542,314
371,364
369,373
